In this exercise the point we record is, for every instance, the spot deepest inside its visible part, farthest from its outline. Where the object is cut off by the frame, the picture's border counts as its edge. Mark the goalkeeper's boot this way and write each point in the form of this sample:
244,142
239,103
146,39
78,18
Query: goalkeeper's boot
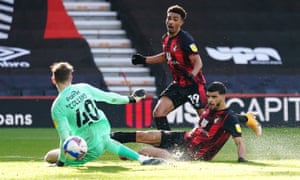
253,123
153,161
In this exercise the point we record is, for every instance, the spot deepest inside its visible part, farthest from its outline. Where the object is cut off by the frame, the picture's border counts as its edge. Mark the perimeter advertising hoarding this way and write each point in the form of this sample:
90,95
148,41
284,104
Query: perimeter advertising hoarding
271,111
33,35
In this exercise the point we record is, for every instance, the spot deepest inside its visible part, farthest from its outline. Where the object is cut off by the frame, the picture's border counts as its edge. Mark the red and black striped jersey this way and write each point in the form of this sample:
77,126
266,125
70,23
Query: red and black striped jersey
215,128
178,49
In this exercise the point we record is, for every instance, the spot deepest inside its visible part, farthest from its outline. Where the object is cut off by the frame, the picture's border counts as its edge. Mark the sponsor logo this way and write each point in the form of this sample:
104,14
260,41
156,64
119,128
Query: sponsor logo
216,120
8,54
194,48
185,113
271,110
139,115
175,48
15,119
238,128
245,55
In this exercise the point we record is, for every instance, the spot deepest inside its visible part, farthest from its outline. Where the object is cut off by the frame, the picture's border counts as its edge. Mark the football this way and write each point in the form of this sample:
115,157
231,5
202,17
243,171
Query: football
75,148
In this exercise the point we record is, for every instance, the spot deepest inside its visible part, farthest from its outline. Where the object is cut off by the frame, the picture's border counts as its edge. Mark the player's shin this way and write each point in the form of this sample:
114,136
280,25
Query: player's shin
162,123
124,137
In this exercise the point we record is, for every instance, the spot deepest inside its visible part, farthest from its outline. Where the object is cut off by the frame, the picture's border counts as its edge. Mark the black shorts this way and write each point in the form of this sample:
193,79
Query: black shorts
174,143
180,95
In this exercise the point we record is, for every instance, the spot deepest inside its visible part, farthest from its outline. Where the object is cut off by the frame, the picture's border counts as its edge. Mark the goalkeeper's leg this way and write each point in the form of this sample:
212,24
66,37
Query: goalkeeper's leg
253,123
123,151
52,156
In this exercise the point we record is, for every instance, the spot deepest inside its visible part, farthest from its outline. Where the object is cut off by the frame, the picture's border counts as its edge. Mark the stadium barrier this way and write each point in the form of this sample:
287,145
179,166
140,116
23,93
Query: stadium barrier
273,110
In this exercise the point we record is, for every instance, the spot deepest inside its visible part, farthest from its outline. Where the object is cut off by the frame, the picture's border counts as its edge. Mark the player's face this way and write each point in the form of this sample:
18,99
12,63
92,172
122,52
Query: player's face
215,100
173,23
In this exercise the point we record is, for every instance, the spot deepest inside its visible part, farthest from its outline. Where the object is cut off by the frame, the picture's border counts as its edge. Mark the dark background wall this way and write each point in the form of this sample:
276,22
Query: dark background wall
248,24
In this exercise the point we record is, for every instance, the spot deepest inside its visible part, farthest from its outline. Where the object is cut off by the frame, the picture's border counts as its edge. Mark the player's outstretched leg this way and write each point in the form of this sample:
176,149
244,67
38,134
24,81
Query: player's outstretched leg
253,123
124,151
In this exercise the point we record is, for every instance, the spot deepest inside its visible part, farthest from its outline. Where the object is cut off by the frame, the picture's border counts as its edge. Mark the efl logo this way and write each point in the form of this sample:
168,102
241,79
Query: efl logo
244,55
139,115
7,54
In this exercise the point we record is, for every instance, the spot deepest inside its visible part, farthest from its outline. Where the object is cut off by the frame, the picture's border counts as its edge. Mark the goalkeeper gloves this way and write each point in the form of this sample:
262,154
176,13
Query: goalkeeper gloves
137,95
138,59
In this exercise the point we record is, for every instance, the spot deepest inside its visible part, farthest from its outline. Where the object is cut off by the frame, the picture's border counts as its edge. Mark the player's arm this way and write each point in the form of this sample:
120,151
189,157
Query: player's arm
232,125
190,48
140,59
241,148
197,62
115,98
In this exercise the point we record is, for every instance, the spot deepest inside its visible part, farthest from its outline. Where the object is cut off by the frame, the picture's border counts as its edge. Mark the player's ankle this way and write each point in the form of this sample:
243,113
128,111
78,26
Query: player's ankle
142,158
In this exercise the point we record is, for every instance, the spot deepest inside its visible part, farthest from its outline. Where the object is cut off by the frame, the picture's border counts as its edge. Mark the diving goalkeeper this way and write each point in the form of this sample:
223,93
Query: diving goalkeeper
74,112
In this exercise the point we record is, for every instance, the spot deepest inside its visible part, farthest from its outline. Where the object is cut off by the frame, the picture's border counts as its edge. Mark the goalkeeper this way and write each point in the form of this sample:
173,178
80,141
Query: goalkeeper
217,123
74,112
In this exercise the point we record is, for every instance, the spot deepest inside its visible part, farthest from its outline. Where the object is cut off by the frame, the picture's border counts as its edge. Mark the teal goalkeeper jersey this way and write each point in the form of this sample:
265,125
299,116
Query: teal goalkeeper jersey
74,111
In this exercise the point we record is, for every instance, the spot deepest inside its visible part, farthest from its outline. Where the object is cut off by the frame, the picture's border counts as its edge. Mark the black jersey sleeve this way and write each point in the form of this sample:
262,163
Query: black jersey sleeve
188,43
232,125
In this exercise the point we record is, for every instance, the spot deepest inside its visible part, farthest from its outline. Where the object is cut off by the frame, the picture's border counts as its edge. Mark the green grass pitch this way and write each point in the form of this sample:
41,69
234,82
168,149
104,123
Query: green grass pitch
274,155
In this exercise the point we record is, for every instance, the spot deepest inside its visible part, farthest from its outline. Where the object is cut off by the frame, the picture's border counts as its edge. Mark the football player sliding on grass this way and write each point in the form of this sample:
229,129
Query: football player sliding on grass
74,112
217,123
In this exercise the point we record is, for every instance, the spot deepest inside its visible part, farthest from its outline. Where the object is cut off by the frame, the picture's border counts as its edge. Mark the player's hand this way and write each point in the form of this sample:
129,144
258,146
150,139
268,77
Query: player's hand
191,78
138,59
137,95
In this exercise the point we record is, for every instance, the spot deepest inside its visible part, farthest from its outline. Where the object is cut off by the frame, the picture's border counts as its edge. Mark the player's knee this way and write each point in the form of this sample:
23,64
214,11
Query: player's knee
163,107
160,112
52,156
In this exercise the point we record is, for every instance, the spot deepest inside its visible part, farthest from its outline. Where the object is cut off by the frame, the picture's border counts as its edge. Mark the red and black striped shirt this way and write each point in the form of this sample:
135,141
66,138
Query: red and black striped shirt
178,49
215,128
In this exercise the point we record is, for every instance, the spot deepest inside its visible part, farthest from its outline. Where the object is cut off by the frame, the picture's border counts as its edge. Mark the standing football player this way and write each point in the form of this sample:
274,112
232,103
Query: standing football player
181,54
74,112
217,123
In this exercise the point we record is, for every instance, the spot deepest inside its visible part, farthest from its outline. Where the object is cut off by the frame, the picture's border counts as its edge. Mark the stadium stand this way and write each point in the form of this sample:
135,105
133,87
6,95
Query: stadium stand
110,46
33,35
262,33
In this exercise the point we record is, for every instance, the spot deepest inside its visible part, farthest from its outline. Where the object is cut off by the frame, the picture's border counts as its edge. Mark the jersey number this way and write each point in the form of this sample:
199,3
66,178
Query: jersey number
195,99
90,114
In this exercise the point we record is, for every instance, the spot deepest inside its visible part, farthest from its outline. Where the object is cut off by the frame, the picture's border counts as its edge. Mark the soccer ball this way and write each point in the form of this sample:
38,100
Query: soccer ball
75,148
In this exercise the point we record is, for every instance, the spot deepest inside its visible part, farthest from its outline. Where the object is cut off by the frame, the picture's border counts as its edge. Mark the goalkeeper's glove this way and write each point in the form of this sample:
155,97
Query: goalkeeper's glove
138,59
137,95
